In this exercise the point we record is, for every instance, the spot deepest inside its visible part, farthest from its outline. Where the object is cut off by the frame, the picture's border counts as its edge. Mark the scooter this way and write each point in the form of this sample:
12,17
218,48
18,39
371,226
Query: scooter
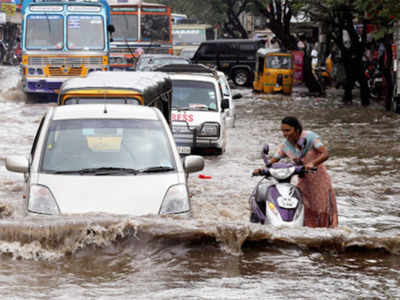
278,203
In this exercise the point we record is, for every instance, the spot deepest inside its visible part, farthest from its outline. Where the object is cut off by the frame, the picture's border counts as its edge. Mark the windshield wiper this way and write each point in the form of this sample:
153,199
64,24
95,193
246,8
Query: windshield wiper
99,171
181,108
115,171
156,169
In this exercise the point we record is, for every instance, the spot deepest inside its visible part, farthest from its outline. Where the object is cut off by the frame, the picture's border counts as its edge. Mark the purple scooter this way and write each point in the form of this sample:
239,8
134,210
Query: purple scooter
278,203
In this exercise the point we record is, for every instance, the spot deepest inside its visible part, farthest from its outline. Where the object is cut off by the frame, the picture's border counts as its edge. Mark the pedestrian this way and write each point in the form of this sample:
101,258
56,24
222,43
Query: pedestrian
305,147
314,58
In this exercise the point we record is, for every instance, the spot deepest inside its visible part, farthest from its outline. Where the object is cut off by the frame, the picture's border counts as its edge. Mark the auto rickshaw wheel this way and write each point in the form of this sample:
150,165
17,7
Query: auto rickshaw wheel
241,77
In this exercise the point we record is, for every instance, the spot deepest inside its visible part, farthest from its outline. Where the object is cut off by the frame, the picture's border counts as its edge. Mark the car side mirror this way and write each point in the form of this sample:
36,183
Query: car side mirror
193,163
19,164
237,96
225,104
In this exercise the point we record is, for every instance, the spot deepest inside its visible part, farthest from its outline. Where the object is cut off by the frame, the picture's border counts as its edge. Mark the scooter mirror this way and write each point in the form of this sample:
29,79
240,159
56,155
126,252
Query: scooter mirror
264,154
265,149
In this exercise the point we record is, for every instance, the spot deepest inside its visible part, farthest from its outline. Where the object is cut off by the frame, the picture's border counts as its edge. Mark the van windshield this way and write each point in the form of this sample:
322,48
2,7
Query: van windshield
81,144
194,95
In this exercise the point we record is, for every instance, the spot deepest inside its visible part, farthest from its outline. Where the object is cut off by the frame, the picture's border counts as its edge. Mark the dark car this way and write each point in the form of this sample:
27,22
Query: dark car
149,62
235,57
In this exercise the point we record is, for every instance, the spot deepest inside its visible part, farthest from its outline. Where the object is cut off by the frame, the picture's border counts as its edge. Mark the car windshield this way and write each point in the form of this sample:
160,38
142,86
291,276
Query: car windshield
194,95
76,145
94,100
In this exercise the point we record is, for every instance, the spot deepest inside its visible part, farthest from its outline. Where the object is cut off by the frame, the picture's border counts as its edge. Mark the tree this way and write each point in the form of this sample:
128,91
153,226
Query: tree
383,14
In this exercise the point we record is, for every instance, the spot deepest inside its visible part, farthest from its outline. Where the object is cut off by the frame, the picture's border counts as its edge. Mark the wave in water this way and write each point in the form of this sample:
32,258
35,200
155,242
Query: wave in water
60,237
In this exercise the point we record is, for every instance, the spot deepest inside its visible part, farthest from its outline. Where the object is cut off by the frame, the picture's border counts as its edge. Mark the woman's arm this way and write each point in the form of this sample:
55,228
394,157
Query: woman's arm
323,156
260,170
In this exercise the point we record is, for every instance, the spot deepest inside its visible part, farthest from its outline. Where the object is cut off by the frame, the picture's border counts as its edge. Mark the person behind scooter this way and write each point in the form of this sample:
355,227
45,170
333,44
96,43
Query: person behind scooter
277,203
316,188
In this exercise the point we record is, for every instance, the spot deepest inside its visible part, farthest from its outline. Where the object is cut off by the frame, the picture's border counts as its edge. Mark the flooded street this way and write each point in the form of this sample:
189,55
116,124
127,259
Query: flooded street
218,254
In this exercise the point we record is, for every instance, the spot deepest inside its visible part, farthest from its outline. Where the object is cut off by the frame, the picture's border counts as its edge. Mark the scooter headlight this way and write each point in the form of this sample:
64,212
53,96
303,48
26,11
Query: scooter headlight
282,173
176,200
41,201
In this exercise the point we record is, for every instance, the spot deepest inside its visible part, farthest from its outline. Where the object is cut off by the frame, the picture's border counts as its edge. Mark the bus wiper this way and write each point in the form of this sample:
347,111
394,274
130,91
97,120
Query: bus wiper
156,169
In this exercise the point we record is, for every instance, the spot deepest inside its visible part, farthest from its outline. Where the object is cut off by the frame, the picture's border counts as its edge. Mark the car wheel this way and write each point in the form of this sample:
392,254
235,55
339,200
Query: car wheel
241,77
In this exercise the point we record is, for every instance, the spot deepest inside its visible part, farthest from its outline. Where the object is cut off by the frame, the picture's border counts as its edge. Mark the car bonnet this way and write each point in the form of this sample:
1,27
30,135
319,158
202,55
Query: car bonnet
136,195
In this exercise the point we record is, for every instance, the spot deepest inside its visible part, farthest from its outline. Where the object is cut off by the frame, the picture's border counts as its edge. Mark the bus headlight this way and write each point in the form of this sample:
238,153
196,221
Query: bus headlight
210,129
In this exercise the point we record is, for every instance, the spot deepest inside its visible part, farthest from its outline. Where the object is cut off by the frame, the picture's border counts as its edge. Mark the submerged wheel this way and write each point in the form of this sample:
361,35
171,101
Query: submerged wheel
241,77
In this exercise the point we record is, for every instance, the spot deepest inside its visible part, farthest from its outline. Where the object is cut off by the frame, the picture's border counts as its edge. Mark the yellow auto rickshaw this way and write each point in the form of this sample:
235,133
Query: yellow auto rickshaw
138,88
274,71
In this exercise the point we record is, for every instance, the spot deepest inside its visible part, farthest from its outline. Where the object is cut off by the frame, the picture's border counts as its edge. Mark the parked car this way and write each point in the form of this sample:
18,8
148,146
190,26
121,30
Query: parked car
235,57
149,62
230,112
108,158
198,109
188,51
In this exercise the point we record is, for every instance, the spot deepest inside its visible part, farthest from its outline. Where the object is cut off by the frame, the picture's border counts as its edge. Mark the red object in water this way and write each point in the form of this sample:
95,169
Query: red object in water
202,176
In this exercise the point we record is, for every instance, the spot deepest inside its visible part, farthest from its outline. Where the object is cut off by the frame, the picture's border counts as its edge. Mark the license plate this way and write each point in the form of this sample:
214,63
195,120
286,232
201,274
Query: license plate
378,79
290,202
183,150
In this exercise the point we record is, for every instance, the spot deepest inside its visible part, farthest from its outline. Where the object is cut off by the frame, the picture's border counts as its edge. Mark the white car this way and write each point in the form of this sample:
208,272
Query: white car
198,113
108,158
230,112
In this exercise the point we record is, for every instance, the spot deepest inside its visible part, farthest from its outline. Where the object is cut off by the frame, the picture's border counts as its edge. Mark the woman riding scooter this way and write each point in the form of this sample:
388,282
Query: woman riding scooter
316,188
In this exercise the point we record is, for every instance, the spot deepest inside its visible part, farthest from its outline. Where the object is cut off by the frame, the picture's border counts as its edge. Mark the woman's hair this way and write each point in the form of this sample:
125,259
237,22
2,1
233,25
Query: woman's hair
293,122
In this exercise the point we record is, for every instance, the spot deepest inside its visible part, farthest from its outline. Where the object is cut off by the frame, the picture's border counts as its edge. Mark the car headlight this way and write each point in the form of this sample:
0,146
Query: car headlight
282,173
210,129
176,200
41,201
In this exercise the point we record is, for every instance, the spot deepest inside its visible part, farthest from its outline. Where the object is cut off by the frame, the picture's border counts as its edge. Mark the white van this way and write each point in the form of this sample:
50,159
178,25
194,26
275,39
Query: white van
198,117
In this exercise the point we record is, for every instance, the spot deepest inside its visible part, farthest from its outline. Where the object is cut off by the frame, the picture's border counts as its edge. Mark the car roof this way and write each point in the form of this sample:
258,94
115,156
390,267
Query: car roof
104,111
191,69
116,79
160,55
194,77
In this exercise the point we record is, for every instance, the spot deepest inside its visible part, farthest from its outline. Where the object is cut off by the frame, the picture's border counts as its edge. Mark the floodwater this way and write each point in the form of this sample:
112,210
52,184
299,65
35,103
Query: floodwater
218,254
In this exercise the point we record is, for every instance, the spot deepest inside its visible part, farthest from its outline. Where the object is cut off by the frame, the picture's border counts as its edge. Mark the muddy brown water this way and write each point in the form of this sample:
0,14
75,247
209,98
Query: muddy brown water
218,254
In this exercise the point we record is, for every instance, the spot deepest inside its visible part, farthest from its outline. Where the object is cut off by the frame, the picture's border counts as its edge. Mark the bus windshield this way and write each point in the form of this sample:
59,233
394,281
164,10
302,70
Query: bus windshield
44,32
85,32
126,27
155,28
